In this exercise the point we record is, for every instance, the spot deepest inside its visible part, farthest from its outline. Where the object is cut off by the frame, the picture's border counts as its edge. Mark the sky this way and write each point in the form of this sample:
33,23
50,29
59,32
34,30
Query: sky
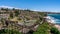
39,5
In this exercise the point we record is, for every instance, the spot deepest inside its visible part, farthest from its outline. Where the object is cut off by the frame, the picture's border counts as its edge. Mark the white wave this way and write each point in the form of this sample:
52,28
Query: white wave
50,19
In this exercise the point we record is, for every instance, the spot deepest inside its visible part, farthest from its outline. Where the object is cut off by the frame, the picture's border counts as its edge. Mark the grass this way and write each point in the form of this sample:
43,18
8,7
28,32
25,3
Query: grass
43,29
14,19
7,31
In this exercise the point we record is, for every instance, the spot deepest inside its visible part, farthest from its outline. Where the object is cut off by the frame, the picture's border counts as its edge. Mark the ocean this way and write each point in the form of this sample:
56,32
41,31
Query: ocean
55,18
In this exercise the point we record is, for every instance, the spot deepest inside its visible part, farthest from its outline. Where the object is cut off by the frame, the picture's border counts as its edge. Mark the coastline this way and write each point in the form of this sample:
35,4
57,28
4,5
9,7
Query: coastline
49,20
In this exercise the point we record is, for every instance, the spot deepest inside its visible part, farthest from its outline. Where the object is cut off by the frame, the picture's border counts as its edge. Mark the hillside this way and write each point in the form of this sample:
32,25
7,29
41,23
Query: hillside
24,21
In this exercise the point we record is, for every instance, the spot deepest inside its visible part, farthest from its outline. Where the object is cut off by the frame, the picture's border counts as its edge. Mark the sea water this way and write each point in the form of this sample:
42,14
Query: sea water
55,18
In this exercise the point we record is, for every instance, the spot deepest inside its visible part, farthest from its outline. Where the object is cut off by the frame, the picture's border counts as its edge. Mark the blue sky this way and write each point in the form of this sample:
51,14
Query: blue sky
42,5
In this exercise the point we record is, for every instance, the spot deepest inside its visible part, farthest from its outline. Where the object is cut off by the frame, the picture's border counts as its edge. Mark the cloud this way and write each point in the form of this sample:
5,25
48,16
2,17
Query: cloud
8,7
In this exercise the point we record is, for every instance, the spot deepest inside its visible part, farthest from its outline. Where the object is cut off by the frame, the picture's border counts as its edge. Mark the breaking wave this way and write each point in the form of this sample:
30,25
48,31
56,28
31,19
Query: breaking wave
53,19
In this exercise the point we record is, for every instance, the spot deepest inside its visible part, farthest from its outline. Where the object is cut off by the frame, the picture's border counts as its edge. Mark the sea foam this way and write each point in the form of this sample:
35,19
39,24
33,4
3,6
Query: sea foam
50,19
53,18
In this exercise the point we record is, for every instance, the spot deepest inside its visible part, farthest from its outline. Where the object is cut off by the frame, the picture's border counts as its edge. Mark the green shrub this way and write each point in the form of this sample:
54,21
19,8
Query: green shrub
54,31
6,31
11,15
16,13
43,29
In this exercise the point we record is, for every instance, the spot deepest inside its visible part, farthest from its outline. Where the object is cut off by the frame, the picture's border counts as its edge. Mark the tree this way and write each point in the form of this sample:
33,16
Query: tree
11,15
54,30
2,8
16,12
6,9
13,9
